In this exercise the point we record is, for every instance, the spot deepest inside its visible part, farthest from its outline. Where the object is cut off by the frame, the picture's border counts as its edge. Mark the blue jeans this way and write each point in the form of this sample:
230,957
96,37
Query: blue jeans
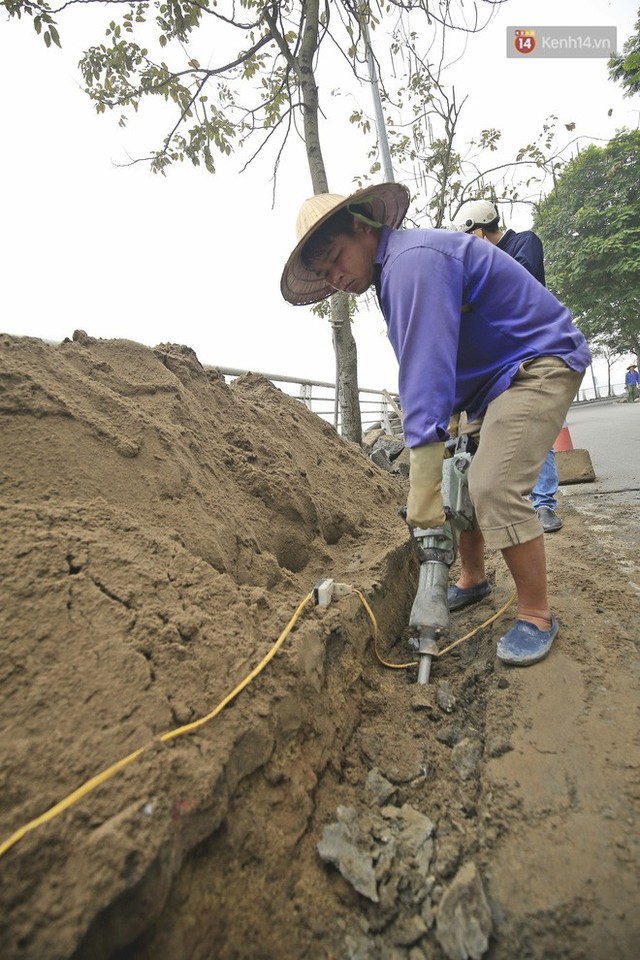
546,487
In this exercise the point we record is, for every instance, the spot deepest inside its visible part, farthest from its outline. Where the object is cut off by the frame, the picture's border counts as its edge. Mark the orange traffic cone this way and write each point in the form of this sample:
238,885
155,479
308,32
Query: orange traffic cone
563,440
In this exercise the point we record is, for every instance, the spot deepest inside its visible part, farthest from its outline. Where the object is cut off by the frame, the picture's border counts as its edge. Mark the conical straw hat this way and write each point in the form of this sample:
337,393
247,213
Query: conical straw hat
388,202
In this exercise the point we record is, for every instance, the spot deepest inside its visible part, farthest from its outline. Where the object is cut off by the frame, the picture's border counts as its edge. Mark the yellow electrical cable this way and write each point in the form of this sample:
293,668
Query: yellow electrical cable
440,653
385,663
195,724
101,778
105,775
486,623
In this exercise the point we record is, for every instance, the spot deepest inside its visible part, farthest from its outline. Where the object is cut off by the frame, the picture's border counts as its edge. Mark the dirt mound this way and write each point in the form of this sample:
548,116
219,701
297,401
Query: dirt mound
160,530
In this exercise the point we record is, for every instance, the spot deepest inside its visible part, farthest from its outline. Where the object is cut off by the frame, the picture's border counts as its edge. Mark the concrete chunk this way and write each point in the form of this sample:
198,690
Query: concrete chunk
574,466
464,918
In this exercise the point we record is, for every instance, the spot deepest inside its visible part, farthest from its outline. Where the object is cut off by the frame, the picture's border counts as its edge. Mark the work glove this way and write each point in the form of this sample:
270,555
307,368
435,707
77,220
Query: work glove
424,503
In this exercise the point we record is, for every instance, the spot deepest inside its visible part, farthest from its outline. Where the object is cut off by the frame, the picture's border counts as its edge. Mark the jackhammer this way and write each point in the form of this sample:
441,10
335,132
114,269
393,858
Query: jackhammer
437,549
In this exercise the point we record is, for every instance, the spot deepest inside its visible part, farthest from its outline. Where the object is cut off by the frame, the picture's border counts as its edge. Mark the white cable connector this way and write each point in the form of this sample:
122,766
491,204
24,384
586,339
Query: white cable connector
323,592
341,590
327,590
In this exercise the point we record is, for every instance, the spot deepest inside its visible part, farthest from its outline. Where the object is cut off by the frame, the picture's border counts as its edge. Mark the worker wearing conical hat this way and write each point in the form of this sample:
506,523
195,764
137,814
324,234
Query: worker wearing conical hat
472,330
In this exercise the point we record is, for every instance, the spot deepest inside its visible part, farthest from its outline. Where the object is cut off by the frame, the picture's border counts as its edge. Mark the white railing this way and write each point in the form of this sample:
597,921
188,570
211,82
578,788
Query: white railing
376,406
599,392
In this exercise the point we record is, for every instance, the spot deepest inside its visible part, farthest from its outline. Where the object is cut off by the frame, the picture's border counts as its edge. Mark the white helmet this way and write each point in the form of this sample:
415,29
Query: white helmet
474,214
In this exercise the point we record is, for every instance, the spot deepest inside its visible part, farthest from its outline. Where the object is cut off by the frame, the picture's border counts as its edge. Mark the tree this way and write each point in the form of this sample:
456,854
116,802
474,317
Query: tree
609,355
236,74
625,68
590,226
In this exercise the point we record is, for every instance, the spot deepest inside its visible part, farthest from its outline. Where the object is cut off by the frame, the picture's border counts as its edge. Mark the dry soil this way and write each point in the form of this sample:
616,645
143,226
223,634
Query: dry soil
162,532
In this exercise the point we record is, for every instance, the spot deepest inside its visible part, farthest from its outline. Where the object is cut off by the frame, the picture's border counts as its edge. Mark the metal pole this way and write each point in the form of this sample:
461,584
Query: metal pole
336,398
377,108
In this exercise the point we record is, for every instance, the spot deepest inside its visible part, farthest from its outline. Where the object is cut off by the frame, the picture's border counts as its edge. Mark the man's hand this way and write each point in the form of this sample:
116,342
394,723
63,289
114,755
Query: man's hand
424,504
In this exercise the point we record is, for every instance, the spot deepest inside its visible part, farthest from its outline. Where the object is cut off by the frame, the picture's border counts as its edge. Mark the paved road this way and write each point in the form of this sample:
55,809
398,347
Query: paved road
610,431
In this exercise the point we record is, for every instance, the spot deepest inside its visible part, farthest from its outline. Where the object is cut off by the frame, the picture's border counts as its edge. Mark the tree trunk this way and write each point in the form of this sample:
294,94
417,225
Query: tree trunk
345,348
343,340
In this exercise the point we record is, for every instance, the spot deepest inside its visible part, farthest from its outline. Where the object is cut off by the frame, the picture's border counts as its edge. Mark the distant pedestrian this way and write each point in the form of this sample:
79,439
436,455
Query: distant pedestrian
482,218
631,383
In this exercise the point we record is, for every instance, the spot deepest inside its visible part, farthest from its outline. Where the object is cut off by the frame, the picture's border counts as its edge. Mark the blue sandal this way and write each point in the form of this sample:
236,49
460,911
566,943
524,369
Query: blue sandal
525,643
459,597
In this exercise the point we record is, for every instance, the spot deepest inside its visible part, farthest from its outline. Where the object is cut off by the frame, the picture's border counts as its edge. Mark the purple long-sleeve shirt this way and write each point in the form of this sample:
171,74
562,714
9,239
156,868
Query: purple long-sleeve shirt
453,358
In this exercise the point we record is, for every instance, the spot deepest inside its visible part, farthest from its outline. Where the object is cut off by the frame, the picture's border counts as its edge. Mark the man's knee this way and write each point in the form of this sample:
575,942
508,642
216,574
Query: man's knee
483,492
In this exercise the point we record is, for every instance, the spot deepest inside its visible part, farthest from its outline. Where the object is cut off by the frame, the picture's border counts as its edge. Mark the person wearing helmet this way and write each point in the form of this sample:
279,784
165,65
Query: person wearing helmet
476,215
481,218
472,331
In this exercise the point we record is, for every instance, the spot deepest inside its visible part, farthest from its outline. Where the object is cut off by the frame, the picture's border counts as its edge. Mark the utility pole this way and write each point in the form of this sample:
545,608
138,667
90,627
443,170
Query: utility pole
387,166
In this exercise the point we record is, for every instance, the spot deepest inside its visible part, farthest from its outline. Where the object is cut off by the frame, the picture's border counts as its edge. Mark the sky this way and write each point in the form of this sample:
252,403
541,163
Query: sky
89,243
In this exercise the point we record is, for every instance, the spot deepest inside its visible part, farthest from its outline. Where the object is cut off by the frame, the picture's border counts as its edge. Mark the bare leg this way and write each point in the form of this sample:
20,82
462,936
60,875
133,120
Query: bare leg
528,567
471,553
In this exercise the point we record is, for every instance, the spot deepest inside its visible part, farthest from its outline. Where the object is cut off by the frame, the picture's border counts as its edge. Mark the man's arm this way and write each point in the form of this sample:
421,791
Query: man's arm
421,298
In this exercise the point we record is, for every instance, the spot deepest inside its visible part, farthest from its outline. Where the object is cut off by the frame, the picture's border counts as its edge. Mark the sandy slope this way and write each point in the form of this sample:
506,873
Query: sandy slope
160,528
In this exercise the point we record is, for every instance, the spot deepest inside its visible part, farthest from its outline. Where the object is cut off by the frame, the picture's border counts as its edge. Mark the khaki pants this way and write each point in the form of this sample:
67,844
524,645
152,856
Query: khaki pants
514,436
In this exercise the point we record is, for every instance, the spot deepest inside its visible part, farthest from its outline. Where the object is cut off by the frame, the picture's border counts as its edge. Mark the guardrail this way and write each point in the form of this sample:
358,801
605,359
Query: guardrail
376,406
599,393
